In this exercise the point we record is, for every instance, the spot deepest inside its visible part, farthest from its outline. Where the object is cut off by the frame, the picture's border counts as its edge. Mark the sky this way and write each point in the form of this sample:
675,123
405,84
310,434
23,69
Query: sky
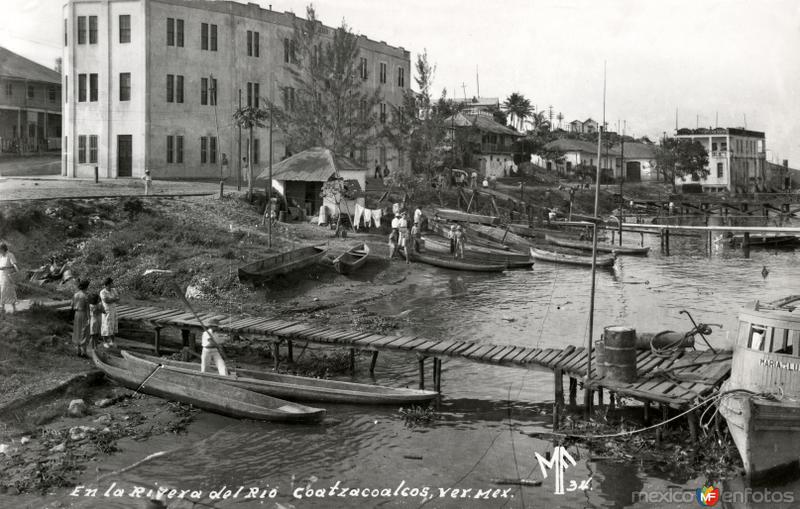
726,63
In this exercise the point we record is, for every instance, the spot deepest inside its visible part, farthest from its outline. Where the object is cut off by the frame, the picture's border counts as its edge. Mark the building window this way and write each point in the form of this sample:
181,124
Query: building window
401,77
212,150
203,150
289,51
203,91
92,29
179,32
252,43
31,92
719,170
252,95
383,73
204,36
256,44
213,91
170,36
213,37
93,87
170,88
179,149
714,146
383,113
82,149
9,89
170,148
362,67
81,88
256,150
124,28
288,98
124,86
81,29
362,110
51,93
179,89
93,148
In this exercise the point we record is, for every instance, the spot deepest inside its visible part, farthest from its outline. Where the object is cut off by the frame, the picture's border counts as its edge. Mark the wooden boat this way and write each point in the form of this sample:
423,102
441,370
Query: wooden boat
449,263
764,240
478,254
523,230
556,257
203,392
352,259
761,399
601,248
500,235
283,263
443,229
300,388
465,217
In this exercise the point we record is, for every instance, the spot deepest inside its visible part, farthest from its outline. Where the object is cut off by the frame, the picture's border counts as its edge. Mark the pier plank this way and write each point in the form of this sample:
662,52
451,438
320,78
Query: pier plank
412,345
491,353
502,354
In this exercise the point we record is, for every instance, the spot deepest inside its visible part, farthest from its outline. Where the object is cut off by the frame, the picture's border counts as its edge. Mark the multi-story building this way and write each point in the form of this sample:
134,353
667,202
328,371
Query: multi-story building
736,158
30,105
154,84
482,143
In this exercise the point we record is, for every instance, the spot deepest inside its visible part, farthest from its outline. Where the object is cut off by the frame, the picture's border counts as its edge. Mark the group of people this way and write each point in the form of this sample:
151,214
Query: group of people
401,237
95,316
457,241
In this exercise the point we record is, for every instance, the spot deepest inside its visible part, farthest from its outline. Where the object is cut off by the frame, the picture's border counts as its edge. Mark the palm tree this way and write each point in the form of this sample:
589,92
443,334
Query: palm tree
540,121
517,107
249,118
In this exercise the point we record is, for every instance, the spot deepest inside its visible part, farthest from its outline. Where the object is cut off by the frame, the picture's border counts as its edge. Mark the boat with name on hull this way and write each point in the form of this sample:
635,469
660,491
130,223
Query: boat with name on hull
761,399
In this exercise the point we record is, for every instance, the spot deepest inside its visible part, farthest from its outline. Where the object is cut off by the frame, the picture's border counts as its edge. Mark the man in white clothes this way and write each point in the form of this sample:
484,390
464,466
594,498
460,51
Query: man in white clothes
211,351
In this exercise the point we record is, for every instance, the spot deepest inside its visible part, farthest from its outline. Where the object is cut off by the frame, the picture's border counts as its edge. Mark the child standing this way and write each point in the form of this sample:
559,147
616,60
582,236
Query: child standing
95,318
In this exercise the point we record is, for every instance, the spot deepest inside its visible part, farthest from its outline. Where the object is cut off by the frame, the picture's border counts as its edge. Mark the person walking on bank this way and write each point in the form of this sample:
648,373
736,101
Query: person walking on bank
80,323
403,239
416,237
109,326
378,172
211,353
8,290
148,180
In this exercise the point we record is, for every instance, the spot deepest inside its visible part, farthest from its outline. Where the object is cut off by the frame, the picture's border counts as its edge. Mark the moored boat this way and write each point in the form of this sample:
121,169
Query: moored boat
761,399
443,229
570,259
466,217
500,235
281,263
478,254
203,392
352,259
523,230
601,248
764,240
300,388
450,263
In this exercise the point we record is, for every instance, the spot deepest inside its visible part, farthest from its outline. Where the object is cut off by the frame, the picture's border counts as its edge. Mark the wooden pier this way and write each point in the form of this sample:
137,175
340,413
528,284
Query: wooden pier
676,381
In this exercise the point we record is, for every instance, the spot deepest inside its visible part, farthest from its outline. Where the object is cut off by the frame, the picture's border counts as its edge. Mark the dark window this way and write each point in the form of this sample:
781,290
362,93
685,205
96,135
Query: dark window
288,98
179,31
169,149
179,89
383,113
81,88
714,147
66,24
256,95
719,170
249,43
203,90
212,150
93,148
401,77
81,29
203,35
31,92
213,37
179,149
125,28
203,150
363,68
9,89
289,51
213,91
51,93
170,36
286,50
383,73
92,29
249,95
252,95
362,110
82,149
170,88
93,87
255,44
124,86
256,147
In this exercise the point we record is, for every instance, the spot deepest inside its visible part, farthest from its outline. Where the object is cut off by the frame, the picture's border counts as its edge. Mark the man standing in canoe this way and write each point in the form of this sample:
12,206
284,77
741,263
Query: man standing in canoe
459,239
211,353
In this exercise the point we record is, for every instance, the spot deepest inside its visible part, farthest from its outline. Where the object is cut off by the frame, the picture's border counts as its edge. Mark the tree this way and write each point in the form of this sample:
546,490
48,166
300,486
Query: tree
249,118
681,157
518,109
498,115
329,106
540,121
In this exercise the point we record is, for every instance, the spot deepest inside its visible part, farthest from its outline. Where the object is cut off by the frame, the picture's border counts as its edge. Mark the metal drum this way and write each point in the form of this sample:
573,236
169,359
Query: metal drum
620,353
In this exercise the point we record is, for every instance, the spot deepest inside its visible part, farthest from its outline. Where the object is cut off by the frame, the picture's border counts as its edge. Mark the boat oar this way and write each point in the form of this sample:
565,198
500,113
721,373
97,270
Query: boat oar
197,317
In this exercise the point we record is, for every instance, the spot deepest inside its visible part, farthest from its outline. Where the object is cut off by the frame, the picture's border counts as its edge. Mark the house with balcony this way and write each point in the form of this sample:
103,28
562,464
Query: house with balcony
579,157
484,144
736,159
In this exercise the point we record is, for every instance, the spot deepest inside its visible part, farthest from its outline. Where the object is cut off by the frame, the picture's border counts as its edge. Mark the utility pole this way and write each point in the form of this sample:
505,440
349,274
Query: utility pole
269,184
239,154
213,91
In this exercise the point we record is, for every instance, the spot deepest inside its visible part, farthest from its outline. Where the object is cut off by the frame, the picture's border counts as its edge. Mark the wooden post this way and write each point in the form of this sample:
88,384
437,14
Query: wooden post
573,391
646,413
661,235
438,386
157,341
289,353
185,345
559,386
666,241
276,353
352,361
619,219
422,373
641,240
372,362
612,400
599,396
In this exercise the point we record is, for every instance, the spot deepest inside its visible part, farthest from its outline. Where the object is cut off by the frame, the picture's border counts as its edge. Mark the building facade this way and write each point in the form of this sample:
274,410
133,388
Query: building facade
736,159
154,84
483,144
30,105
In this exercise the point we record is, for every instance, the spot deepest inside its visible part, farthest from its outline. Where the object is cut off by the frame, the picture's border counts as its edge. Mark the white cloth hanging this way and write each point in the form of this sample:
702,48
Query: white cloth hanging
357,215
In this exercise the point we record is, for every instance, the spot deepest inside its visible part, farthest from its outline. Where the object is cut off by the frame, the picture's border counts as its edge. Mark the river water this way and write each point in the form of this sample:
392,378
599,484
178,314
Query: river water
476,437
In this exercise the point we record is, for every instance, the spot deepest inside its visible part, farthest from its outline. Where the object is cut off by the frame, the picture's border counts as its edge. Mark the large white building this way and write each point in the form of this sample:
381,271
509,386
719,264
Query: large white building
154,84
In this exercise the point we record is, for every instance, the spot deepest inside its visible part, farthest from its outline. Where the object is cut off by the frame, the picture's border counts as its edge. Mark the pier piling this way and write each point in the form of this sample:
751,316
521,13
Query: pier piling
558,403
372,362
573,391
157,341
422,373
352,361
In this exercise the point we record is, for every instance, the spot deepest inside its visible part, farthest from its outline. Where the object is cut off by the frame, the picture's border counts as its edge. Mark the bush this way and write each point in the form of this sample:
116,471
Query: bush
19,219
133,206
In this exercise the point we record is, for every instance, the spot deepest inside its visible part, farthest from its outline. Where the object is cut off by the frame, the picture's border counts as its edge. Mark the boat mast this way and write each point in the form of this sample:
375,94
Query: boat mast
587,402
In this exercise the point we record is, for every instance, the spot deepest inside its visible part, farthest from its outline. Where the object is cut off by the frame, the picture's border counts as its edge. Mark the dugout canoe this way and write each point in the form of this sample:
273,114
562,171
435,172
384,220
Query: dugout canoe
478,254
203,392
556,257
282,263
299,388
443,229
352,259
523,230
500,235
449,263
601,248
466,217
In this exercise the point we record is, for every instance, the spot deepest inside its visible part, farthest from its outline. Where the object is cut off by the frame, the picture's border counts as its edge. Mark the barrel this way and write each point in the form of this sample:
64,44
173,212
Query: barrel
600,357
620,353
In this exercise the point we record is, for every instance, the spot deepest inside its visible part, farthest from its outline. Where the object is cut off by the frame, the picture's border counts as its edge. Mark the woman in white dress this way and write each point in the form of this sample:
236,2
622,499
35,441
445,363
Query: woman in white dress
108,325
8,290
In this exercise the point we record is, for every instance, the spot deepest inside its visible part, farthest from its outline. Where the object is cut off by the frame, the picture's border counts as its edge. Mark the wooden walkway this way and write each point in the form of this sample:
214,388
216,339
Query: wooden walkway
676,381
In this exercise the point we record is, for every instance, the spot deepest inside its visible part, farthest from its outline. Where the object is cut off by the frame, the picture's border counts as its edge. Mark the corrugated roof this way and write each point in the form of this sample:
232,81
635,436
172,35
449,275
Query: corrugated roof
480,122
638,151
17,66
313,165
568,145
